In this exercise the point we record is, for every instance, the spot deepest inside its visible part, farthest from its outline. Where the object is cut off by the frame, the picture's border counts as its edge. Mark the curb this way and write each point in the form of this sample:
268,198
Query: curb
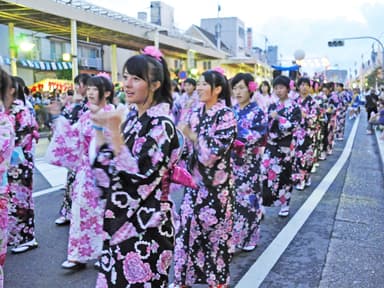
380,144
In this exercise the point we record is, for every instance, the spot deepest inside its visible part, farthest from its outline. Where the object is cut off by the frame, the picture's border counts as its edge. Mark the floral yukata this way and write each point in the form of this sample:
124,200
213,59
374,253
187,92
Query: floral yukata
321,125
70,148
183,107
276,165
138,222
252,126
182,110
21,225
304,138
204,244
7,142
333,107
344,100
264,101
72,112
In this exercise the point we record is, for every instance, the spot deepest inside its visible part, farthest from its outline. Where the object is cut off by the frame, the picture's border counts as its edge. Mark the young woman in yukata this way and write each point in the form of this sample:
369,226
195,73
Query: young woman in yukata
21,210
134,156
71,147
252,127
204,243
277,162
7,143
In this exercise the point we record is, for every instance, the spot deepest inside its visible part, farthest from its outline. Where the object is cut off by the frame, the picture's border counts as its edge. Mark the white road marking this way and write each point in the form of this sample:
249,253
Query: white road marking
54,175
46,191
265,262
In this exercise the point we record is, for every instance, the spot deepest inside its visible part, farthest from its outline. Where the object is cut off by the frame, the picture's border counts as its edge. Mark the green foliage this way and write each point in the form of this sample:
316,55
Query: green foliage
376,76
64,74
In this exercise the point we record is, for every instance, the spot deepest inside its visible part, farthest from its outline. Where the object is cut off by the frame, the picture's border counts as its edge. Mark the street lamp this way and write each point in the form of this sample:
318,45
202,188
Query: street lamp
66,57
26,46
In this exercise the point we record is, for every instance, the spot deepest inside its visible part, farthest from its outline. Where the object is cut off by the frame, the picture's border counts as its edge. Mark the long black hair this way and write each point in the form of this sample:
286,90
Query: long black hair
5,84
82,78
216,79
265,83
151,70
19,85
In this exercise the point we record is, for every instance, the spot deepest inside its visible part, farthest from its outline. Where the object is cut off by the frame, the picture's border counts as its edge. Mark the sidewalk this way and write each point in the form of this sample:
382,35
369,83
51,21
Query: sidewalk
356,250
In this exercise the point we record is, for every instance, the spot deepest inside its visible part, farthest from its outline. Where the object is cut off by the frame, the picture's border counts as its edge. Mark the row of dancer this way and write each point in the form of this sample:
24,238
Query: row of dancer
131,156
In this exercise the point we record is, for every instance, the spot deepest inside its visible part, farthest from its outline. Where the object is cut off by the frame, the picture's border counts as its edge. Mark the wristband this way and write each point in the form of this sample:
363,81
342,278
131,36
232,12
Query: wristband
97,128
54,117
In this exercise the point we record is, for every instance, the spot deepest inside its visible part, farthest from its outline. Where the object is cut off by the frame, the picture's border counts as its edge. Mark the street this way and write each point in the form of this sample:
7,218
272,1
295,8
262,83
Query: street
339,245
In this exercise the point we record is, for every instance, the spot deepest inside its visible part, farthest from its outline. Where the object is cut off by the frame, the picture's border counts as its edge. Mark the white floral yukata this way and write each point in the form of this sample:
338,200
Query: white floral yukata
70,147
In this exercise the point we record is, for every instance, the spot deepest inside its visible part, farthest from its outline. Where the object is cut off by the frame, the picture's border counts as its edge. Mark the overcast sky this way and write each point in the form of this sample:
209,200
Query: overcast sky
292,25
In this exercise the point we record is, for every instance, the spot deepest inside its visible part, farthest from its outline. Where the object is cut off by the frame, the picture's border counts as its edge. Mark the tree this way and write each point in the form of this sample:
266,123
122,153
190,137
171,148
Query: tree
64,74
376,76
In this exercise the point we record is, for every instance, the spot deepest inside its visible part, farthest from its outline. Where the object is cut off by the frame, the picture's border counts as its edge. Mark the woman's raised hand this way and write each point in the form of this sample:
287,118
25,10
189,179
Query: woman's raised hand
110,120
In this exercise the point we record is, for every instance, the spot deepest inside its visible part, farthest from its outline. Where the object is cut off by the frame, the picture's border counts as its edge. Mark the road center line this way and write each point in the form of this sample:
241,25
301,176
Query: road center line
265,262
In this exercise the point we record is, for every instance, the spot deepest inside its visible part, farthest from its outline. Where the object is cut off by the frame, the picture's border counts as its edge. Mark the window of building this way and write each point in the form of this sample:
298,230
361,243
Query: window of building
57,50
241,33
207,65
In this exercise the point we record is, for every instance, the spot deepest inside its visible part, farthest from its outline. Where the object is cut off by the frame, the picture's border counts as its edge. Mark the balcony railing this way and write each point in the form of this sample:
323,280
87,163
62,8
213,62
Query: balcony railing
91,63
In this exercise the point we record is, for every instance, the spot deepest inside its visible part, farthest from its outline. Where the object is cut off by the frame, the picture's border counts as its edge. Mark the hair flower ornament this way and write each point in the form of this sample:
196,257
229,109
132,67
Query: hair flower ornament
292,84
219,70
104,74
252,86
153,52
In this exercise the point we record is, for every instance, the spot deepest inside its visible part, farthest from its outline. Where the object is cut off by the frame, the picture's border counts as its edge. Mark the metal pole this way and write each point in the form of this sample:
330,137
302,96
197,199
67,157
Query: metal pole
114,62
382,62
75,62
368,37
12,48
156,37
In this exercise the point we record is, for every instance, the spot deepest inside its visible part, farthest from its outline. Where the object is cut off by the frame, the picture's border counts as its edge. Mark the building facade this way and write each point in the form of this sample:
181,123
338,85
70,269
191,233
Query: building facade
230,30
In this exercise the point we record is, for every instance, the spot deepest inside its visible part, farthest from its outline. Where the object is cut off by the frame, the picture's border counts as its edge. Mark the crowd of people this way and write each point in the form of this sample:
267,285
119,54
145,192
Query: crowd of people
234,146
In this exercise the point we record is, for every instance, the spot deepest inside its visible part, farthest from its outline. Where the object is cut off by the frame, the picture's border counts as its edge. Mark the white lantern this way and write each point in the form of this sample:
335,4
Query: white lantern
299,54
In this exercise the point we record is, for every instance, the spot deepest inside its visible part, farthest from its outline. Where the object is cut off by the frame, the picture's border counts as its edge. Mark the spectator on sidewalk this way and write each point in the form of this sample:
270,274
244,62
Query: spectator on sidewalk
371,107
377,119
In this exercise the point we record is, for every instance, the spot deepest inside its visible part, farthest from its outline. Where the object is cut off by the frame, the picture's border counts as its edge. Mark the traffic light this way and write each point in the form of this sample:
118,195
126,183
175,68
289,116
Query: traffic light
335,43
